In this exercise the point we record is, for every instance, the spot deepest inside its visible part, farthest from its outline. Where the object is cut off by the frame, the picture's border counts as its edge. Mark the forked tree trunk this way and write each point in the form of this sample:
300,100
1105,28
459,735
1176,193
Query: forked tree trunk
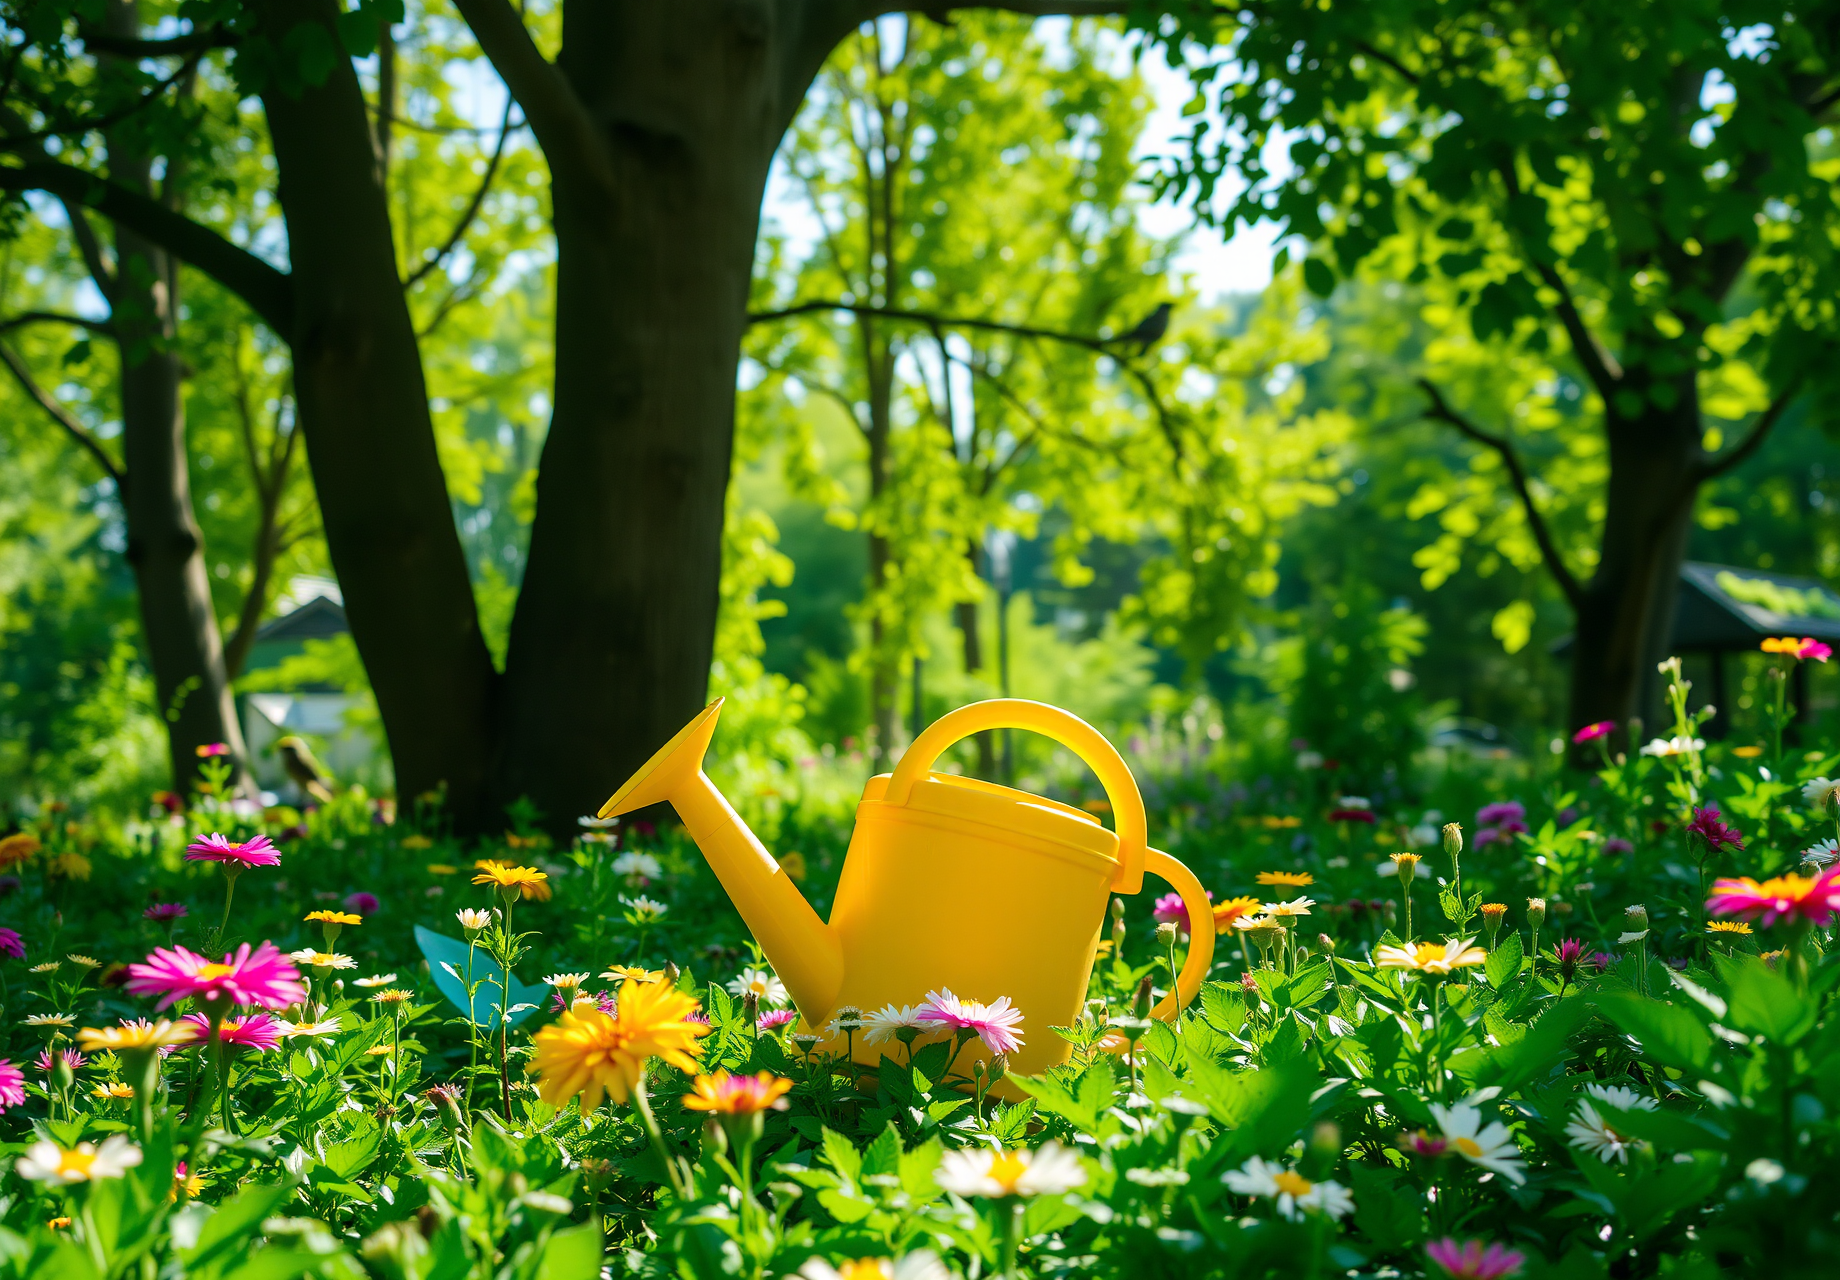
1625,613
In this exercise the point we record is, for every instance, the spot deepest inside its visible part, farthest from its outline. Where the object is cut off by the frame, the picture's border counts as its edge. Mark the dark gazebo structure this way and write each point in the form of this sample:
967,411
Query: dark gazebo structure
1722,609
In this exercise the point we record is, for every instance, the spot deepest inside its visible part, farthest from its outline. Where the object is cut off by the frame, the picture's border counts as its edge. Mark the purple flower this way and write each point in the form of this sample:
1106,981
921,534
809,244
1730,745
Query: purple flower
164,911
1707,826
1502,811
778,1018
1566,954
1616,844
1485,837
362,903
254,852
1601,960
12,945
1591,732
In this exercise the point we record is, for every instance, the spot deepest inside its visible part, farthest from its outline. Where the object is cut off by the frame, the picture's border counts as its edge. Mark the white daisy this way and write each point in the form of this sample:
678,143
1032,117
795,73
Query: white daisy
48,1162
1677,746
759,983
915,1266
1295,907
380,980
1620,1096
1589,1132
1823,853
1294,1193
470,918
644,908
638,864
880,1026
50,1020
312,1030
1492,1147
1820,793
984,1171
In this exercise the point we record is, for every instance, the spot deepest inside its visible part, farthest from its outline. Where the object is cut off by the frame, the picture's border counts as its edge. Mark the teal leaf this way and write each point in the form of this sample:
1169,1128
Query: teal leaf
442,950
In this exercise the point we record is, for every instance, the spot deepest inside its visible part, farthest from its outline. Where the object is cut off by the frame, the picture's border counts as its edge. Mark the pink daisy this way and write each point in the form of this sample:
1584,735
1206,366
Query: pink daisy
1469,1261
264,977
11,944
45,1062
257,1031
1592,732
1717,834
1778,898
254,852
12,1085
994,1024
164,911
775,1020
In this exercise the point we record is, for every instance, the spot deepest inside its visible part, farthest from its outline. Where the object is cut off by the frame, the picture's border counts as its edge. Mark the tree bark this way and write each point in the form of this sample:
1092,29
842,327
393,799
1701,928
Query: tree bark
363,407
1625,614
659,143
165,545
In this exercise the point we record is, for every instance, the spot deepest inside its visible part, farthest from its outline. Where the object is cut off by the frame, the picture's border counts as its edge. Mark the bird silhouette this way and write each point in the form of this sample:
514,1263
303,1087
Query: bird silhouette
1150,329
306,771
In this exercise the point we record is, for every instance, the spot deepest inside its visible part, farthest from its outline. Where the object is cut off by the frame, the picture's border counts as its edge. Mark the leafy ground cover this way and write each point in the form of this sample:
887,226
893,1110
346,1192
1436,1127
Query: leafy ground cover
1582,1026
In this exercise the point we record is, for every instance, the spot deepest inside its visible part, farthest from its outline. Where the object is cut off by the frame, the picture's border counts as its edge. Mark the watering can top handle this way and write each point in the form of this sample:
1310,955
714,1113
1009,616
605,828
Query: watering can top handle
1051,722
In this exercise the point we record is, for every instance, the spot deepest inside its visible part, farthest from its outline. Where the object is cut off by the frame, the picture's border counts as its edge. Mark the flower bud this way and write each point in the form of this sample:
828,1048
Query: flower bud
1405,866
1536,912
750,1008
1118,908
1165,934
671,973
1140,1003
1325,943
1635,917
1453,838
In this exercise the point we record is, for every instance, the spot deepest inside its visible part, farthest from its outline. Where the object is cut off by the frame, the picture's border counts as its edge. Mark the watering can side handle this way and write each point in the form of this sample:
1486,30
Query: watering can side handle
1200,932
1065,728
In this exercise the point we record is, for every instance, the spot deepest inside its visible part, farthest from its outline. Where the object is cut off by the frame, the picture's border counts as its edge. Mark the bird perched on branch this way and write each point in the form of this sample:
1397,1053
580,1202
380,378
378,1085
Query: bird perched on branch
306,771
1150,329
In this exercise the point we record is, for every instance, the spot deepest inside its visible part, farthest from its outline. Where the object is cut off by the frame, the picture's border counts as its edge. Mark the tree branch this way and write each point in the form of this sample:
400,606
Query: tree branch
1517,475
190,42
1712,468
1600,366
91,248
267,291
102,327
472,207
20,141
63,417
557,117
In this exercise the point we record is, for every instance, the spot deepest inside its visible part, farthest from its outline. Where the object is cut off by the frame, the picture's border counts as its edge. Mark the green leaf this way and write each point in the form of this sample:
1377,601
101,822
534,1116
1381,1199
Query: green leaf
1764,1002
917,1169
884,1154
236,1223
1504,961
1669,1033
571,1252
841,1154
1318,277
1308,984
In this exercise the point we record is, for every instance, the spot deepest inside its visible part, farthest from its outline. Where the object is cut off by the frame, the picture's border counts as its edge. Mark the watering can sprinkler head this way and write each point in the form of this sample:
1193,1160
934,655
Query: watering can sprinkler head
672,768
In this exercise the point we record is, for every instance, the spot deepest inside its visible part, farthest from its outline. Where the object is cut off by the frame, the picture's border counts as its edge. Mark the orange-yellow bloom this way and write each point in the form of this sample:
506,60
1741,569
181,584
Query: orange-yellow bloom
333,917
1225,913
1288,879
589,1055
505,877
738,1095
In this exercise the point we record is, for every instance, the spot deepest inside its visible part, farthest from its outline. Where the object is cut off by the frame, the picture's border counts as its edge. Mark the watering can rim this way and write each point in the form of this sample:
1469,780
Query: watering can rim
1007,812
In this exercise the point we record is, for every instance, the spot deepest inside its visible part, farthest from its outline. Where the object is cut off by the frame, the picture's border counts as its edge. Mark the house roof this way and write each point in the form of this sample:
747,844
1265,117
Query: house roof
318,619
1724,607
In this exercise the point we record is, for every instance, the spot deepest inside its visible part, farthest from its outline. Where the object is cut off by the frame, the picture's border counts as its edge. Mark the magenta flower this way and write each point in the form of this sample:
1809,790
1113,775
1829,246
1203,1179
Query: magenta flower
1501,813
257,1031
1567,954
1170,909
1470,1261
1779,898
1707,826
46,1062
994,1024
209,749
362,903
12,1085
162,912
264,977
1601,961
1592,732
776,1019
1616,844
254,852
11,944
1813,649
1353,815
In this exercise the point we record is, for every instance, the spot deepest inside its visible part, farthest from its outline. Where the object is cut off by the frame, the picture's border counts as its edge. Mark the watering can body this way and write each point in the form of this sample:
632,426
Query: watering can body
950,883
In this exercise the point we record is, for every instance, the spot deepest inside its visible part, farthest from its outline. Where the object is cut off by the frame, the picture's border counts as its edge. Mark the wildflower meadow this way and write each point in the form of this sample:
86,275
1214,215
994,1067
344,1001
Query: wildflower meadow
1585,1027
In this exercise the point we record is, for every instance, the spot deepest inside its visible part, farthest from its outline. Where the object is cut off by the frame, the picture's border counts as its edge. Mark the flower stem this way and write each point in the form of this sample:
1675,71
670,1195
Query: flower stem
223,930
1012,1236
649,1123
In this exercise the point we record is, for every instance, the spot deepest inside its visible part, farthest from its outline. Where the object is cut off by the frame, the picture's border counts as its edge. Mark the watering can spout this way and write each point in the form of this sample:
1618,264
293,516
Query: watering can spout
804,951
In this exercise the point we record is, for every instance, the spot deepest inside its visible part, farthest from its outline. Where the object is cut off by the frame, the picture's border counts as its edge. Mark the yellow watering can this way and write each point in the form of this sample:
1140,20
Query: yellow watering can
949,882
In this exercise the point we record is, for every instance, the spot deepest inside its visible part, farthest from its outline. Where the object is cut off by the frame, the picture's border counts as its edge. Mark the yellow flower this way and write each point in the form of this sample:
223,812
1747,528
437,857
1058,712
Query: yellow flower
1429,957
586,1054
333,917
1781,644
505,877
392,995
631,973
1288,879
1494,911
18,847
112,1092
72,866
1748,752
738,1095
793,864
58,1224
416,841
83,961
136,1035
1225,913
442,869
1727,926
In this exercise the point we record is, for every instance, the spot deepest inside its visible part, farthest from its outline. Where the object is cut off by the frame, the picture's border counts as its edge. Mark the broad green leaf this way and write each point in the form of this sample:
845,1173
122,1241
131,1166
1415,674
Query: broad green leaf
1668,1032
841,1154
1764,1002
1504,961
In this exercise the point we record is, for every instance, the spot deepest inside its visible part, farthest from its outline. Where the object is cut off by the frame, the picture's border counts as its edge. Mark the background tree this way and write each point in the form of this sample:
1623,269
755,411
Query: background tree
1629,185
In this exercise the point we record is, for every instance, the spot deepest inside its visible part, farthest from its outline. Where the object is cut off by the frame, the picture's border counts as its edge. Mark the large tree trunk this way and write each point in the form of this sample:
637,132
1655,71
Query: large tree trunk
1626,612
165,546
370,441
655,232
